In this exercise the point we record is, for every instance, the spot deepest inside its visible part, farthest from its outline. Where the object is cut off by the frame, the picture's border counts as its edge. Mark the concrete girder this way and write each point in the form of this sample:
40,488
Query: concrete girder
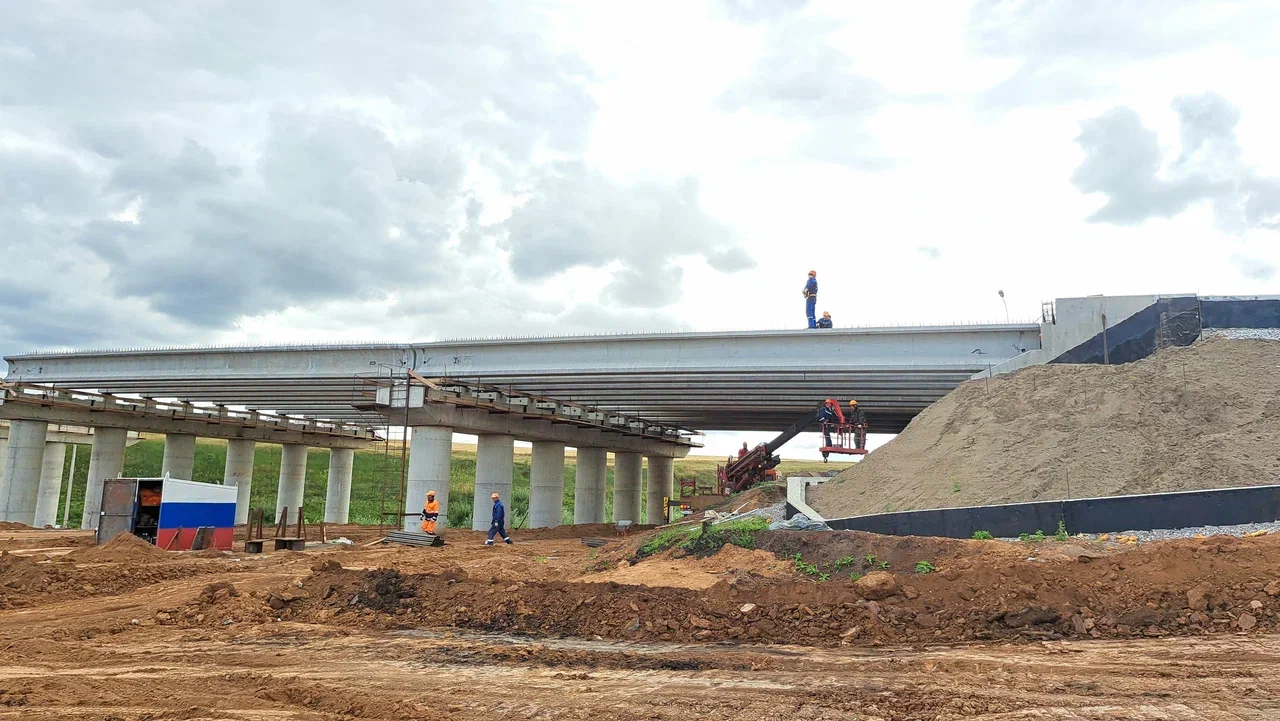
479,422
153,424
702,380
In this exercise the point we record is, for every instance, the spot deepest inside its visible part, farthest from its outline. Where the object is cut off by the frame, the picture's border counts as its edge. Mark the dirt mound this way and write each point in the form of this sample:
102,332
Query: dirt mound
968,590
21,576
124,548
676,570
1204,416
14,526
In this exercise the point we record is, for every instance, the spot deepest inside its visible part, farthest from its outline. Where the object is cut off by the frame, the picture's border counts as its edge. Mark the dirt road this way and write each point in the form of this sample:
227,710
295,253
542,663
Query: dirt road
203,642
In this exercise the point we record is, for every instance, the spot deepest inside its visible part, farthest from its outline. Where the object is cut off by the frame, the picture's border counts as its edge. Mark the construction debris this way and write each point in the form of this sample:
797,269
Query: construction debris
411,538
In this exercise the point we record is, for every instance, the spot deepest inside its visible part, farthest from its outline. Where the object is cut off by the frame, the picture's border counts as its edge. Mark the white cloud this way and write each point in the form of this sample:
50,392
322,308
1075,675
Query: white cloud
301,170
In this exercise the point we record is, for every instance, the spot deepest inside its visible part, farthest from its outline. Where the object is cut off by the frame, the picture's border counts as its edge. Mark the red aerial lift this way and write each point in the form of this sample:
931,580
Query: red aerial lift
848,436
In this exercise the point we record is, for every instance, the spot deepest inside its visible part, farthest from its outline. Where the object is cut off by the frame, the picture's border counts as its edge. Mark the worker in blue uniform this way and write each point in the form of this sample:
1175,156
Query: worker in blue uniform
810,293
498,524
825,320
826,417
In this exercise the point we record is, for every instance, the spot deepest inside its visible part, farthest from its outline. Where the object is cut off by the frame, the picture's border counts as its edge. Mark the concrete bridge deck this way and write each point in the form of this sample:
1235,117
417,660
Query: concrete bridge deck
739,380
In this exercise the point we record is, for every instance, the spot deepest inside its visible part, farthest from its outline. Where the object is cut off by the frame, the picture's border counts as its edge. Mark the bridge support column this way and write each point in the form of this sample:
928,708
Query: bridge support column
337,494
179,456
106,460
662,474
589,485
4,448
293,479
22,463
239,473
430,455
55,459
495,462
626,486
546,485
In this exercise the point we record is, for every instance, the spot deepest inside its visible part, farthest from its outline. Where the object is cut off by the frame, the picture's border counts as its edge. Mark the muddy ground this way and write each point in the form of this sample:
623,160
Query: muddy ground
552,629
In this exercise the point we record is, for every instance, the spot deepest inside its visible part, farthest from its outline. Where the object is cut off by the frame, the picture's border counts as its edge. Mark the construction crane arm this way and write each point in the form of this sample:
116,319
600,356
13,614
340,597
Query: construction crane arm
793,430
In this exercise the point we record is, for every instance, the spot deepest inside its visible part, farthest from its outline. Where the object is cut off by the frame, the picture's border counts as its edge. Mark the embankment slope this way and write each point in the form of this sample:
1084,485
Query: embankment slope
1204,416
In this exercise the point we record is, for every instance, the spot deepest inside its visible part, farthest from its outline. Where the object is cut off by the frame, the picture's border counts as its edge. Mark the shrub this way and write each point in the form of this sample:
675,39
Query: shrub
982,535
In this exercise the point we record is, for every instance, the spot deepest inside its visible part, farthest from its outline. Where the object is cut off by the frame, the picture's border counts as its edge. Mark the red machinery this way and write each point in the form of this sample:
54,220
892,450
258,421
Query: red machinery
847,436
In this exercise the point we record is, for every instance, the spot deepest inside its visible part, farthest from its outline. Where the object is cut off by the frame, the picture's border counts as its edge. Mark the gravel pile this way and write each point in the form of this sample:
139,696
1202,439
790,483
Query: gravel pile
1242,333
774,513
1164,533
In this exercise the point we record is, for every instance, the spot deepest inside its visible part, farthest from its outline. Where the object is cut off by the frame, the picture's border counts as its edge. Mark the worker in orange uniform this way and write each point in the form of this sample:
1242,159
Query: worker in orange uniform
430,513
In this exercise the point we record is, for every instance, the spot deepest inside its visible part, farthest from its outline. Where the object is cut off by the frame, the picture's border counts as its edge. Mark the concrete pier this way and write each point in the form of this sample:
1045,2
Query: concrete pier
239,473
430,455
4,448
626,486
106,460
337,494
22,465
55,459
179,456
495,461
293,478
546,485
662,475
589,485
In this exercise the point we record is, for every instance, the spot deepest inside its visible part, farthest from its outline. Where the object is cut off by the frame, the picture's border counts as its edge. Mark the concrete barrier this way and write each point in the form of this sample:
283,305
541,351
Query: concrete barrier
1186,509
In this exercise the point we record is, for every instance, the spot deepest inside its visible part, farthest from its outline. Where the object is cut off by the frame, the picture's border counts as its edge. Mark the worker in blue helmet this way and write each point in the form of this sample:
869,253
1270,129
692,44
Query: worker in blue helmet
810,294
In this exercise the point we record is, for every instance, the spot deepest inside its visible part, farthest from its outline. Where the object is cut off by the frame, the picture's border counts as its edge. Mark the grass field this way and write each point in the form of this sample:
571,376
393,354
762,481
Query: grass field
375,479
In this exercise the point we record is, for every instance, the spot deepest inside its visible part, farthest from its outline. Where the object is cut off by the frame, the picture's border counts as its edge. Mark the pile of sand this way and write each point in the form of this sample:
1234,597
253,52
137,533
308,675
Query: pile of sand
1204,416
125,547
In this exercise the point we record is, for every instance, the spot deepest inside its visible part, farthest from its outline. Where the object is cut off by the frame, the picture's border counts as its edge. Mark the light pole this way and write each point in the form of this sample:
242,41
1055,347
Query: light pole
1006,305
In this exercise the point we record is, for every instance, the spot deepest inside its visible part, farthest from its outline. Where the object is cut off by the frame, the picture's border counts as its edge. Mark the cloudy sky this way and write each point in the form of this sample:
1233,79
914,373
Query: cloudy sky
215,172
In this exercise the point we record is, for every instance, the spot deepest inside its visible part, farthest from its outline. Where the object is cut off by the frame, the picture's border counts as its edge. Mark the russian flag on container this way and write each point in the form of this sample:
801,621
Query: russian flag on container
187,505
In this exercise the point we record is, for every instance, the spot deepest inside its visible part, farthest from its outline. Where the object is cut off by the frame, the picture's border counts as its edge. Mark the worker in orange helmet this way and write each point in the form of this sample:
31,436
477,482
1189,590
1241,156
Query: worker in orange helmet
430,513
810,294
858,419
497,524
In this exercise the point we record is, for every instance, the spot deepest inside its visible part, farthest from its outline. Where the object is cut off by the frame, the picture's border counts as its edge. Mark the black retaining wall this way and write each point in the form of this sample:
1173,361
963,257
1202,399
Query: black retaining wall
1173,321
1221,507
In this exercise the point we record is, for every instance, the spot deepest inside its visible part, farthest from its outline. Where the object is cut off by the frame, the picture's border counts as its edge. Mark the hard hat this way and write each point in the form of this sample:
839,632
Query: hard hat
494,496
853,404
430,494
813,272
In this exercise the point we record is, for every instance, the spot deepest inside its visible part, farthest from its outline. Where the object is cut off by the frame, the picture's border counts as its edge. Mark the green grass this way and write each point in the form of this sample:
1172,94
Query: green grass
1033,537
982,535
1062,534
925,567
375,479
